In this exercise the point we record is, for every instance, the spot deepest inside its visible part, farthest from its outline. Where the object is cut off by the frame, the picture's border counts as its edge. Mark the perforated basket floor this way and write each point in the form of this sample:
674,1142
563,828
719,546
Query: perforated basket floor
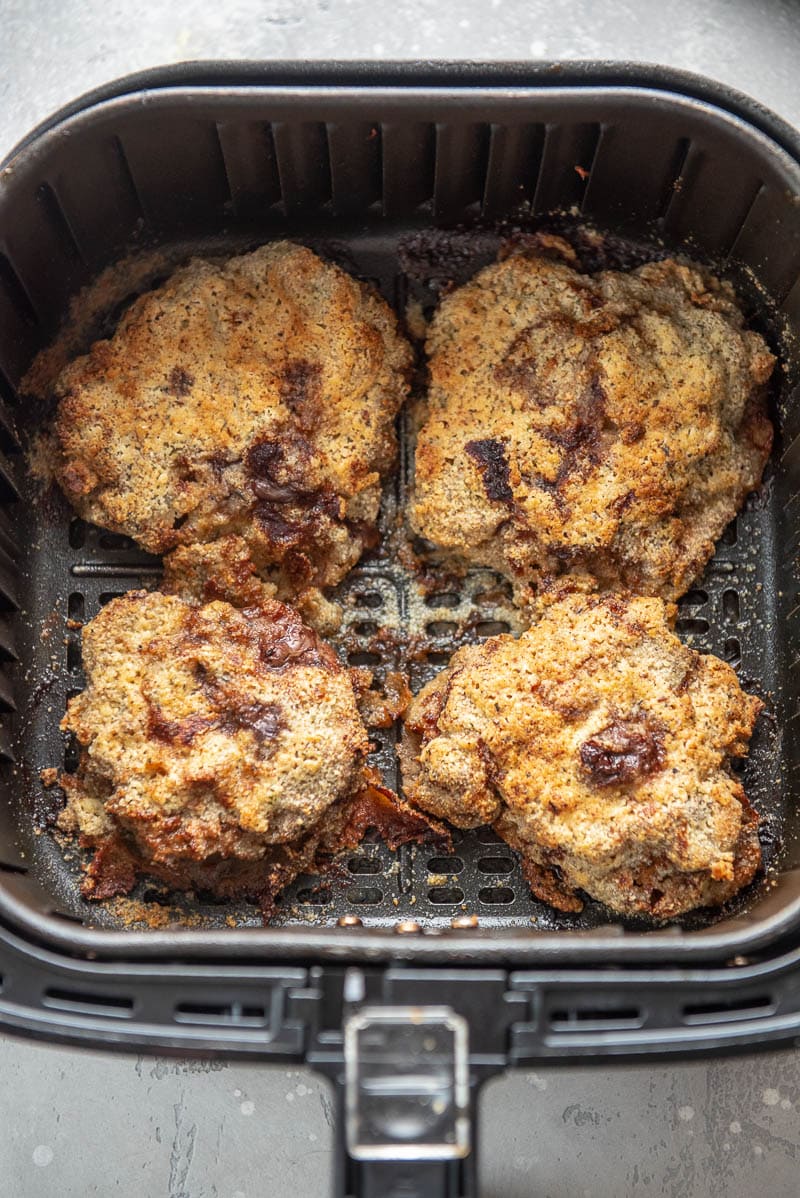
363,176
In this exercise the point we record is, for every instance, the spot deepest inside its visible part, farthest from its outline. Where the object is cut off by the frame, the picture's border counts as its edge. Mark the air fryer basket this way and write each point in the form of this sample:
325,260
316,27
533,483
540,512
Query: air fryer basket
403,177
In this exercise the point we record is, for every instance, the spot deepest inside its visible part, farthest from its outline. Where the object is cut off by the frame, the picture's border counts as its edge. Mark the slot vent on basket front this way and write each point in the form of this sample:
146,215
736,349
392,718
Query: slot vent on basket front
409,160
723,1010
16,293
226,1014
248,154
462,155
593,1018
567,161
57,219
304,167
78,1002
512,170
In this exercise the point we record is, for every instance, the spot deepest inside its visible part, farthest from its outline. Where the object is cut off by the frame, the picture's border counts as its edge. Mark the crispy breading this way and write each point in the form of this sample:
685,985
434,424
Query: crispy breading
250,398
589,431
600,747
212,739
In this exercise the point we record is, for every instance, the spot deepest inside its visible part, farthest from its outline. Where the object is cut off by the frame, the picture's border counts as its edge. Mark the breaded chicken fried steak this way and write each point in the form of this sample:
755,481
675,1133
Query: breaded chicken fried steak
221,748
601,428
600,747
246,404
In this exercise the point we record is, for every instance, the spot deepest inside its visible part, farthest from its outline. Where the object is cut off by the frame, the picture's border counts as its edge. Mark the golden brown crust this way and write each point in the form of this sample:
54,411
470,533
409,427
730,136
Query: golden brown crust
601,430
599,746
253,398
216,742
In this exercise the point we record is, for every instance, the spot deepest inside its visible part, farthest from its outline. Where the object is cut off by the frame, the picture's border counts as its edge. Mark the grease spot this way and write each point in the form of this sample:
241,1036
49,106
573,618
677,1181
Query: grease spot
247,1107
770,1097
686,1113
42,1155
736,1127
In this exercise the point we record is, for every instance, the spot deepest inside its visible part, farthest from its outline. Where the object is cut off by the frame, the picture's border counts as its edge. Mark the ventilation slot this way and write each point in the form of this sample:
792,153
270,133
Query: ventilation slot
732,651
496,895
728,1010
356,154
588,1019
364,659
304,166
512,172
127,175
443,599
445,865
248,152
692,627
442,895
730,534
57,218
441,628
730,606
368,599
365,628
496,865
9,441
694,598
21,302
567,161
365,865
462,153
9,867
80,1003
314,896
221,1014
492,627
409,156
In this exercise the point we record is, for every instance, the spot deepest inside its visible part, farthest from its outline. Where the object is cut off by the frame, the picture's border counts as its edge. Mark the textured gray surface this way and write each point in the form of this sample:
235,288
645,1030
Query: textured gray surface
78,1124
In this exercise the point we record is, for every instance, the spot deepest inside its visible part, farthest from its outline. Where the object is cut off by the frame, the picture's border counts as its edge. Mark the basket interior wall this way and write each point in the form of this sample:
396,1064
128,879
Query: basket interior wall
362,179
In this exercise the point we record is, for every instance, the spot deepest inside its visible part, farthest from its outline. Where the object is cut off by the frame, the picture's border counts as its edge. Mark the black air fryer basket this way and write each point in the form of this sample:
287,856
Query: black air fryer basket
380,976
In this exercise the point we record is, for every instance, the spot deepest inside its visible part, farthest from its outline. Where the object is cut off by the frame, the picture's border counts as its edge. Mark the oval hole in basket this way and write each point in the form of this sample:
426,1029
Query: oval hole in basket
694,598
76,606
77,534
730,605
365,896
437,657
368,599
443,599
365,865
730,534
316,897
492,627
496,865
732,651
73,656
446,894
365,628
116,540
364,659
488,835
496,895
107,596
692,627
441,627
445,865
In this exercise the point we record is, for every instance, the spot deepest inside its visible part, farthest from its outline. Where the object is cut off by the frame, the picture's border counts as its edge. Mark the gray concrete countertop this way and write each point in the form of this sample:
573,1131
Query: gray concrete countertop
87,1123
